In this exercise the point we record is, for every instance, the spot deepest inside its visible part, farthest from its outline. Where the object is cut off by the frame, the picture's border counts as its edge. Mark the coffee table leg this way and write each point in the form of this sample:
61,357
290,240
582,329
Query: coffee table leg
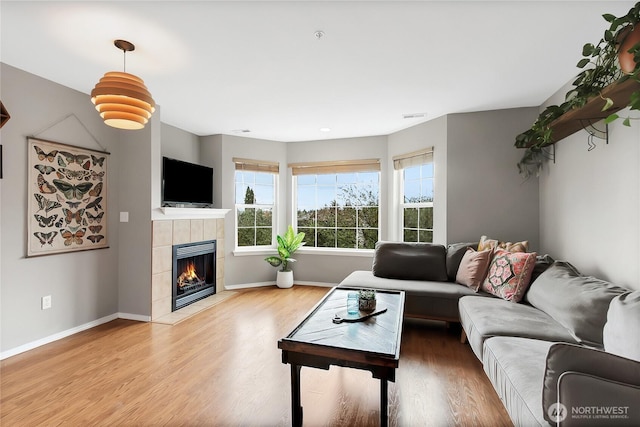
384,403
296,406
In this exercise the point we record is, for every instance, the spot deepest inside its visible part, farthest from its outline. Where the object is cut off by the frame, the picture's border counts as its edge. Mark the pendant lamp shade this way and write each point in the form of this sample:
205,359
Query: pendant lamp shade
122,99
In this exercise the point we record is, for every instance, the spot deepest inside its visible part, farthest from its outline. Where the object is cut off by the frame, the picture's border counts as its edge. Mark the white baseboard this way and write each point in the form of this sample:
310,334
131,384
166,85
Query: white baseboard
261,284
248,285
68,332
137,317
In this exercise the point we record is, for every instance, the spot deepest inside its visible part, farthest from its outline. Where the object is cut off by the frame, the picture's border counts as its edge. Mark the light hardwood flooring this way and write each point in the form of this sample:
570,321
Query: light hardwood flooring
222,367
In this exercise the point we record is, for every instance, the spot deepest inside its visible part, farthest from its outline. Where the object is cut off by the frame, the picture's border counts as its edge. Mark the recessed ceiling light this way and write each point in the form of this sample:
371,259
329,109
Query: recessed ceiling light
325,130
414,115
319,34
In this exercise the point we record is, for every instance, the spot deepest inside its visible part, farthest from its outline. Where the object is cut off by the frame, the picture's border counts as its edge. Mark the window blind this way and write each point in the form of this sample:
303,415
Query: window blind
341,166
413,159
256,165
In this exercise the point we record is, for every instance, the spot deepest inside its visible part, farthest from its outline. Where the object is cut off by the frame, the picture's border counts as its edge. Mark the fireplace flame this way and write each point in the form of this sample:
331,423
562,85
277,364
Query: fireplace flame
189,276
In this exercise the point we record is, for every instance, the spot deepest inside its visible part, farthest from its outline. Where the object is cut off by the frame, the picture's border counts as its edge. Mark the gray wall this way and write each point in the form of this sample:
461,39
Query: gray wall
83,285
590,205
179,144
486,195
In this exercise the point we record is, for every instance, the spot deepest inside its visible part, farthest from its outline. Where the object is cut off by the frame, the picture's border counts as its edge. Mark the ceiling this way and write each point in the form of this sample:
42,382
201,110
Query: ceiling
225,67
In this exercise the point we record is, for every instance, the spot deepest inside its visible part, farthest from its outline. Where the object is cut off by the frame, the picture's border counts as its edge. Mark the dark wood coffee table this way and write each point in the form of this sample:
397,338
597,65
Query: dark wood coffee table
372,345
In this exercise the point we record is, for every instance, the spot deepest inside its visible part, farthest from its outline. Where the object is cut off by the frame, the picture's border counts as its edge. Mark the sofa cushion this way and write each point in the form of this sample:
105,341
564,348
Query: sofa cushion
455,252
509,274
579,303
487,243
429,299
410,261
483,318
619,335
515,368
473,268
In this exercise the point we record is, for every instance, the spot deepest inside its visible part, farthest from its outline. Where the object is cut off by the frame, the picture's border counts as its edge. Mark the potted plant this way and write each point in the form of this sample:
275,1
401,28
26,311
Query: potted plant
287,245
600,68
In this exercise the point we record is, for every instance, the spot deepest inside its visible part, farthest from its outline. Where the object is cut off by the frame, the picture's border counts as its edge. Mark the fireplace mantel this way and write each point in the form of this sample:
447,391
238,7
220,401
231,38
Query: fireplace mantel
167,213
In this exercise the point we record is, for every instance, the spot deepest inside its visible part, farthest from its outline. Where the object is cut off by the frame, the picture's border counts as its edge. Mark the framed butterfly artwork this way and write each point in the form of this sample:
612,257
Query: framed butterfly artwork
67,196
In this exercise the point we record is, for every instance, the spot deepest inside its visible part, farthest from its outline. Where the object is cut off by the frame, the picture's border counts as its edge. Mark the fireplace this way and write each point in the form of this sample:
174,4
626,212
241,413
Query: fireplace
194,272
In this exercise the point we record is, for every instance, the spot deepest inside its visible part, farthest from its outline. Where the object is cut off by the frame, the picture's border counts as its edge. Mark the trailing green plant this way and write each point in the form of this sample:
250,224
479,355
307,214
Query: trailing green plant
287,245
600,69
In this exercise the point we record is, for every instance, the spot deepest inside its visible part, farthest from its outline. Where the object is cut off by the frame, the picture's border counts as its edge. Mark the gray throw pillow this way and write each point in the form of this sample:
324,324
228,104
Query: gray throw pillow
579,303
620,334
410,261
455,252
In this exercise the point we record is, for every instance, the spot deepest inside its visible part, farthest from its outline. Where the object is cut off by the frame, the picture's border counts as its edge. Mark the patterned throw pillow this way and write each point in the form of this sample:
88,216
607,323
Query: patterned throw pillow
509,274
487,243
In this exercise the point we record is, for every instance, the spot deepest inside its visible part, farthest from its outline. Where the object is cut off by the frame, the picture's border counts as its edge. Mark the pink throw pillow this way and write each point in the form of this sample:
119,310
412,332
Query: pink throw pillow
509,274
473,268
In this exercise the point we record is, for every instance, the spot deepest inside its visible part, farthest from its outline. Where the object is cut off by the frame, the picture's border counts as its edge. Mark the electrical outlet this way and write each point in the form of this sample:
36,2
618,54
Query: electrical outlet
46,302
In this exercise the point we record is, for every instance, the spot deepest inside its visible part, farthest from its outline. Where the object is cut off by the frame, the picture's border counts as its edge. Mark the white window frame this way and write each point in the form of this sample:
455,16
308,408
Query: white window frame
413,159
335,165
257,249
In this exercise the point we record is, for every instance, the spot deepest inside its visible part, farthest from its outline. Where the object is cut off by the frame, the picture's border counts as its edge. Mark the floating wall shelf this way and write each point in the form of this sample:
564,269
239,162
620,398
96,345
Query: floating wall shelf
574,120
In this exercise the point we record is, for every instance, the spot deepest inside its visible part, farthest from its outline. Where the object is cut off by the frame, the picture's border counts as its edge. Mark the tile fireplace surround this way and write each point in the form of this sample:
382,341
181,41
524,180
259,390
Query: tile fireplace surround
169,232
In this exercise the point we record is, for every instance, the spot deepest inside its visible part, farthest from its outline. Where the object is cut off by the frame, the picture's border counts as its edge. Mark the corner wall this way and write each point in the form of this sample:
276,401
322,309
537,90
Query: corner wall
590,204
83,285
485,193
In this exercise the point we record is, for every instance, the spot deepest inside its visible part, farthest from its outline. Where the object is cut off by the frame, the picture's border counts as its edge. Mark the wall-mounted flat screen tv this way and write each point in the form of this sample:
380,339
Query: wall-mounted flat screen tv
186,184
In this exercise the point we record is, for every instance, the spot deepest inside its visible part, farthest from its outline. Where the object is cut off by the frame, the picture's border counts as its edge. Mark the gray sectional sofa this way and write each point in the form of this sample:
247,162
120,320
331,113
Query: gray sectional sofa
568,354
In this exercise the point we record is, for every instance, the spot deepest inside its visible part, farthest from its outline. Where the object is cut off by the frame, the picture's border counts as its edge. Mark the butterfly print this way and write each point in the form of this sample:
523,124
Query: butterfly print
42,155
71,191
46,204
95,192
97,161
44,186
45,238
47,221
97,218
95,229
96,238
71,174
59,223
70,215
61,162
74,158
71,237
95,204
45,169
72,229
97,176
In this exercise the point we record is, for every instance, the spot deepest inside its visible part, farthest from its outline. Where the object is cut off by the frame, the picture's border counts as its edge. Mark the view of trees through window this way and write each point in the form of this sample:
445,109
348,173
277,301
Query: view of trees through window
339,210
417,207
255,197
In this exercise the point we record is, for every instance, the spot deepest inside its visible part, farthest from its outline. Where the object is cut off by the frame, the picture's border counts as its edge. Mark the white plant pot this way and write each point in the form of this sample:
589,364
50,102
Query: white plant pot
284,279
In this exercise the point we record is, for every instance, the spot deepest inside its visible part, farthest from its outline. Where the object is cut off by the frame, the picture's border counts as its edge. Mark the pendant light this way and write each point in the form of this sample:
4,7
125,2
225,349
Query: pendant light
122,99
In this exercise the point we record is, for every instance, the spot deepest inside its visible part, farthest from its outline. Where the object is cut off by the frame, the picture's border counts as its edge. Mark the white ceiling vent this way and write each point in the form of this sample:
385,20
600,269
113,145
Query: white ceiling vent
414,115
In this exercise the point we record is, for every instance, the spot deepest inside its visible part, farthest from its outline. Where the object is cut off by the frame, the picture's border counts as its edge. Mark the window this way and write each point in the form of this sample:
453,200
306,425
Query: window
416,205
255,195
337,203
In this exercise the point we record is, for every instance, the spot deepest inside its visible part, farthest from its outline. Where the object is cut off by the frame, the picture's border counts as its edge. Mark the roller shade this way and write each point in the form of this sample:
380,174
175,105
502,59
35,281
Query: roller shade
413,159
256,165
342,166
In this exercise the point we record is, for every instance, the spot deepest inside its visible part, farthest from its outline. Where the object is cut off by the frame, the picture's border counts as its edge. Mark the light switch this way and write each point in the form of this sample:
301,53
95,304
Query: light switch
124,216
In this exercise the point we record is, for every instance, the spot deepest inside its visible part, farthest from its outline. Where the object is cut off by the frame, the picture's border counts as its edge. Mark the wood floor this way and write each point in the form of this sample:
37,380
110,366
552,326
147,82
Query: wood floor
223,368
